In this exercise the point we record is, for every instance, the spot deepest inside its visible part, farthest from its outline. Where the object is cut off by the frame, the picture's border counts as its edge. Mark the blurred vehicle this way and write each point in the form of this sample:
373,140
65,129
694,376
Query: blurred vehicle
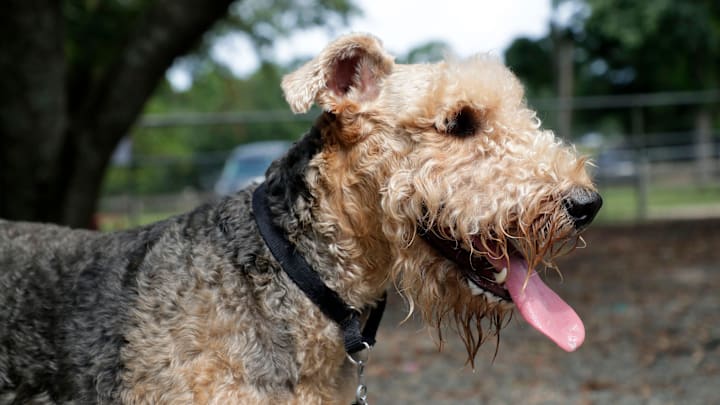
248,163
615,165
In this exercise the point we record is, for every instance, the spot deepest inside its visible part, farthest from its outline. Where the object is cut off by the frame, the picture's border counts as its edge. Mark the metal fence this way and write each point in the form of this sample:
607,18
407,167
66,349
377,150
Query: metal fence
644,175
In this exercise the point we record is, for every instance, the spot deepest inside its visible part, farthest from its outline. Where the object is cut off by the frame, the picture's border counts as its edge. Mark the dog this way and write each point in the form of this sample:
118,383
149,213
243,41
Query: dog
434,179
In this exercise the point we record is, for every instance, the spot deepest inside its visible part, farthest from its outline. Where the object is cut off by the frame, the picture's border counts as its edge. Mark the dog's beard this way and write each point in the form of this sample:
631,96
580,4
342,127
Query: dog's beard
444,294
435,288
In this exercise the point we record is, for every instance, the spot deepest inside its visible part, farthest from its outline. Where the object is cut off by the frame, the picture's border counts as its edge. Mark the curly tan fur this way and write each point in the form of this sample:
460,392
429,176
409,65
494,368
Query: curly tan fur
506,184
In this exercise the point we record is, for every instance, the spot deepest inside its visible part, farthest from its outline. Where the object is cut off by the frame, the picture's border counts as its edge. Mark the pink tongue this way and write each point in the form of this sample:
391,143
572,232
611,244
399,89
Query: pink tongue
541,307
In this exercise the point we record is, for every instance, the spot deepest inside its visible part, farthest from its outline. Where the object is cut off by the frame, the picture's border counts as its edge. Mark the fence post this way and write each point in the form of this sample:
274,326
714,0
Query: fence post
642,187
703,147
642,176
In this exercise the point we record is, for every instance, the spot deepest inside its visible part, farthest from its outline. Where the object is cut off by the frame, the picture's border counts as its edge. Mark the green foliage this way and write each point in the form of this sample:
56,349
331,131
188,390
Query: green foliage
627,47
169,159
532,61
432,51
668,44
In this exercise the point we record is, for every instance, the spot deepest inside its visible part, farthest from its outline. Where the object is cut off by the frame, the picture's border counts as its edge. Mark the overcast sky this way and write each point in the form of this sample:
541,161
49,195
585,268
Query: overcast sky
468,27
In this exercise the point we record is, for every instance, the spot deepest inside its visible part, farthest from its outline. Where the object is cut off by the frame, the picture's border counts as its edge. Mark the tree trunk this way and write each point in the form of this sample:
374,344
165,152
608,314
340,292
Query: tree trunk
62,182
32,108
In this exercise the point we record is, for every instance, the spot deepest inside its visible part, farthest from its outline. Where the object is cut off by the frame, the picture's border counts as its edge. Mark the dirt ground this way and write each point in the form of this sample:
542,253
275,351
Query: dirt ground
650,299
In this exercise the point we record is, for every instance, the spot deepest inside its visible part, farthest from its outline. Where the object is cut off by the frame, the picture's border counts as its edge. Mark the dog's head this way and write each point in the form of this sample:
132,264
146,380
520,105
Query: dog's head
442,171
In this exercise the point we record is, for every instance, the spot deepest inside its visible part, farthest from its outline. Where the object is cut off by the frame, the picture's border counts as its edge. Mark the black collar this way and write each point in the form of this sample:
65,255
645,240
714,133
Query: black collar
310,283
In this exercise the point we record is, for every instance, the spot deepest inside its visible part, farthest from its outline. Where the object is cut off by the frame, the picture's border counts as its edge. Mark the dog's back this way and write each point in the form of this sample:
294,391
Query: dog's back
64,296
63,301
94,317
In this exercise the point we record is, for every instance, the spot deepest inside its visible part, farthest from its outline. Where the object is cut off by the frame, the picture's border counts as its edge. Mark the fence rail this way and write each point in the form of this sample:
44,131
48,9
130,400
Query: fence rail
636,173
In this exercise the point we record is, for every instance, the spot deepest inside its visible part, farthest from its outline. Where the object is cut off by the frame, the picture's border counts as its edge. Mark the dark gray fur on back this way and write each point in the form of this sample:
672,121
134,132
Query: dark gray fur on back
67,296
64,303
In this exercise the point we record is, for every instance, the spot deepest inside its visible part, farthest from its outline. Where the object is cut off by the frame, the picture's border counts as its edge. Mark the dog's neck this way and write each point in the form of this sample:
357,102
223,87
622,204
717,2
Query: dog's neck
319,213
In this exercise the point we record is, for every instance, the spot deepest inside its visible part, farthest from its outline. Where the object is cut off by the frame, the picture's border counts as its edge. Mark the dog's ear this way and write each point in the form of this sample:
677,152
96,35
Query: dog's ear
349,69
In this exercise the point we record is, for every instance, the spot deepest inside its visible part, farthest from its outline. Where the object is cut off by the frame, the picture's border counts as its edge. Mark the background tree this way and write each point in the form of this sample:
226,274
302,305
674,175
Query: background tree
659,46
626,47
77,73
431,51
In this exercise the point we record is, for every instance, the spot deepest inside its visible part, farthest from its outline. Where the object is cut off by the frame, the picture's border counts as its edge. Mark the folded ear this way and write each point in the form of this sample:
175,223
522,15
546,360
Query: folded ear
349,69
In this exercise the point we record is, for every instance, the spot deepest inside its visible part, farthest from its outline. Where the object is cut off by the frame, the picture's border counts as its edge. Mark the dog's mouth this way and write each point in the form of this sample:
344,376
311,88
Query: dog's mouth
483,278
503,275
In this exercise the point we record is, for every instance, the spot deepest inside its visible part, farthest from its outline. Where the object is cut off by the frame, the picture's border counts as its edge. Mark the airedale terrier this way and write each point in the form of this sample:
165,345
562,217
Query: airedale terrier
433,178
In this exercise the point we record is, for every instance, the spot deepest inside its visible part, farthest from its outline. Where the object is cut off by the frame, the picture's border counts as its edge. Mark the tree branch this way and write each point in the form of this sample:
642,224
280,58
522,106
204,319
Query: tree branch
170,28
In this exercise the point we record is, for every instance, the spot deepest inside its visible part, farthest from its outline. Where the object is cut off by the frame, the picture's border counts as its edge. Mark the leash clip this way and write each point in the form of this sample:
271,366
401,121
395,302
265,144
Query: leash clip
359,361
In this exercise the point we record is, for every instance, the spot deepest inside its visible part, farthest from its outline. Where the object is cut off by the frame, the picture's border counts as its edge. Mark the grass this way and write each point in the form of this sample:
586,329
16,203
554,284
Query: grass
621,202
619,205
116,222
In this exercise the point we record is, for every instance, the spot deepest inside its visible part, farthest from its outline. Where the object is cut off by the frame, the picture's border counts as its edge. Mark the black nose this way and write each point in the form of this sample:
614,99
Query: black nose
582,205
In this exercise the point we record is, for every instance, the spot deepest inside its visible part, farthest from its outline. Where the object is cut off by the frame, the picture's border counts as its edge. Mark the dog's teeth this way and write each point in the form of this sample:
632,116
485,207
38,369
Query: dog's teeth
490,297
475,289
500,277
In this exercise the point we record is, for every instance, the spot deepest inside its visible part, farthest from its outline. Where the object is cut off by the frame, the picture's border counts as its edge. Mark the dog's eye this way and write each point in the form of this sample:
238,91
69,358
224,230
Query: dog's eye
464,123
